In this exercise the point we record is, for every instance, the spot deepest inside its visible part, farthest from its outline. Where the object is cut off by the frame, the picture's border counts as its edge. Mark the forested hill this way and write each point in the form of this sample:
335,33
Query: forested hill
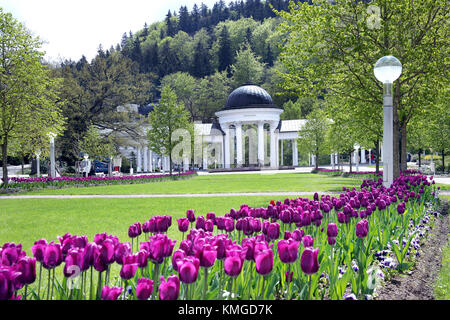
202,53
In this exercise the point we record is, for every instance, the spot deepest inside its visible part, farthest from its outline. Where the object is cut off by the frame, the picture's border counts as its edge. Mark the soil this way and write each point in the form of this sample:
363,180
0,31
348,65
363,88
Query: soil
418,284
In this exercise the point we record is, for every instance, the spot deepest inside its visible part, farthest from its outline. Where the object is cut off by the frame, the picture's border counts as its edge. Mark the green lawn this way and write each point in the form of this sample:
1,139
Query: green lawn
281,182
27,220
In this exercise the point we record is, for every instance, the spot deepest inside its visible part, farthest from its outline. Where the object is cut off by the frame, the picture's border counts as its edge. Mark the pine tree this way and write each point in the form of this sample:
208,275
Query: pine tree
225,53
185,20
201,65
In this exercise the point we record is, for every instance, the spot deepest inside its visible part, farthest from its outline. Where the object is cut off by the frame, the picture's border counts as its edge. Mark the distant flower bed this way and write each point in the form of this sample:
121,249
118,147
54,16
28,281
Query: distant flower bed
45,182
358,174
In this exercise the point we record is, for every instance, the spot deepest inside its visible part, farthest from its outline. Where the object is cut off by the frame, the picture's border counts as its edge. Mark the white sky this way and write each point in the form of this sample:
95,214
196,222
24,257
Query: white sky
71,28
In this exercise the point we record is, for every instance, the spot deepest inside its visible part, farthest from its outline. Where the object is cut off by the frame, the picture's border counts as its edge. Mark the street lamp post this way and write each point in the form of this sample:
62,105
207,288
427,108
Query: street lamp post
38,165
388,69
52,137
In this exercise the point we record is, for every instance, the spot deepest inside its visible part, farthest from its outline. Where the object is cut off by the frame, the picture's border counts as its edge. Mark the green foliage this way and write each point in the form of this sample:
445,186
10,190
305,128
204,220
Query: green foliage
312,137
95,145
247,68
165,119
30,103
335,46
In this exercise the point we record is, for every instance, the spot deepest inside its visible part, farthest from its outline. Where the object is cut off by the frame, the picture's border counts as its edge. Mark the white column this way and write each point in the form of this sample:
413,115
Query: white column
313,160
145,159
273,146
205,157
370,156
150,160
363,155
239,144
309,159
281,153
226,129
186,164
261,143
355,156
138,160
294,153
332,160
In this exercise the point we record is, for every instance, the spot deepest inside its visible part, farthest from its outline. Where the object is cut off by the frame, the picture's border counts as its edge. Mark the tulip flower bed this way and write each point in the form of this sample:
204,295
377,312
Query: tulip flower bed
21,184
325,248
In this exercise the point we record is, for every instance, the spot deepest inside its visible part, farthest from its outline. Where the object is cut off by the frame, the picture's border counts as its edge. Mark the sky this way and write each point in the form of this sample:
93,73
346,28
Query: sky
72,28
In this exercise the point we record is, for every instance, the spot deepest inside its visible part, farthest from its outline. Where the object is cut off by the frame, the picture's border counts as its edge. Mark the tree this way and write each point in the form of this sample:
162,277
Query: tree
247,68
337,44
29,96
94,94
298,109
225,54
312,135
95,145
167,117
183,84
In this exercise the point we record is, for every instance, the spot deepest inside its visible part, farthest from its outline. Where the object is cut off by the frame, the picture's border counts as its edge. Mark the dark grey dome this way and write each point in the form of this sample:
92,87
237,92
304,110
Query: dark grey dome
249,96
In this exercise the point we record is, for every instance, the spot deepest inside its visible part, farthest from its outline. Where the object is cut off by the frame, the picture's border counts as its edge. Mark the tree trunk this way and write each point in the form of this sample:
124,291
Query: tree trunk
350,161
23,165
420,162
404,154
5,160
317,160
170,163
443,161
377,158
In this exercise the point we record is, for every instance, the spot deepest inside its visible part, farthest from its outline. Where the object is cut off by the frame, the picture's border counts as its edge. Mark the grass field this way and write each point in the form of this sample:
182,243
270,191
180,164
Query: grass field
27,220
281,182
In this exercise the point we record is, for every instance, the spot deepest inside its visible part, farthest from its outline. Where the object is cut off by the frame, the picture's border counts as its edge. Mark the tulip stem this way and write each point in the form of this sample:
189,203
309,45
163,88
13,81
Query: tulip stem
48,285
250,282
262,289
90,287
155,277
220,280
25,294
205,284
99,286
39,285
309,289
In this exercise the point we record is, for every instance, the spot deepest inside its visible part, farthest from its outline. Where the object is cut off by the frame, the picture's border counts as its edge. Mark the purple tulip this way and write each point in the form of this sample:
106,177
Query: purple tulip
308,241
188,269
297,234
183,224
332,230
144,288
111,293
170,289
38,249
229,224
160,247
190,215
177,255
288,276
27,267
142,258
52,255
362,228
401,208
122,250
234,261
273,231
288,250
129,267
73,262
207,255
308,261
331,241
264,261
8,278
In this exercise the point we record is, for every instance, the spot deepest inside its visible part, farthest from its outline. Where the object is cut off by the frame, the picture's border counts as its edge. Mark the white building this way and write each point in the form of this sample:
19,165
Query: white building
248,133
